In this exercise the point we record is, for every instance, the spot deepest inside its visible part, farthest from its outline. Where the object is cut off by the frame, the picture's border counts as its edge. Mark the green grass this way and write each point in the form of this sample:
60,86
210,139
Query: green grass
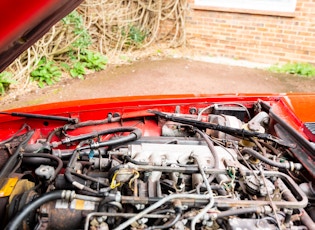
301,69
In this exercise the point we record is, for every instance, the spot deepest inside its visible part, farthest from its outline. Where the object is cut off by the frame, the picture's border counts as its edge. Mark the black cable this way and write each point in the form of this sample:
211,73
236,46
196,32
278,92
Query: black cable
92,123
167,225
129,159
17,220
9,166
80,125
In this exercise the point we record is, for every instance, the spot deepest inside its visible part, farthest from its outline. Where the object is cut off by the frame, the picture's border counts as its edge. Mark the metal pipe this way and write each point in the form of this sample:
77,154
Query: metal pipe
168,169
228,203
286,165
210,205
158,204
124,215
201,213
287,194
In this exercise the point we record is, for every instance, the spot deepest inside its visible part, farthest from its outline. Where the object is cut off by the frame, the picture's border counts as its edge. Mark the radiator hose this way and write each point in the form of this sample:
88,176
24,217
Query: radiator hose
17,220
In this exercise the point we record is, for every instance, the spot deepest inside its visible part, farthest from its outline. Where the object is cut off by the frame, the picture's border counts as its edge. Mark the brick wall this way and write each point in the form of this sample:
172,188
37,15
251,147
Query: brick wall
254,37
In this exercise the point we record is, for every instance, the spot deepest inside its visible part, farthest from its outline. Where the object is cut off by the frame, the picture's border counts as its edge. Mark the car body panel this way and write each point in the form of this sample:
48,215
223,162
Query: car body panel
22,23
223,161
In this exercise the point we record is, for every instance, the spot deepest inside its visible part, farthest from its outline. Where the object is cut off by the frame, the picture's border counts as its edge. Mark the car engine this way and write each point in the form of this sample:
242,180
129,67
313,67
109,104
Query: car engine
217,166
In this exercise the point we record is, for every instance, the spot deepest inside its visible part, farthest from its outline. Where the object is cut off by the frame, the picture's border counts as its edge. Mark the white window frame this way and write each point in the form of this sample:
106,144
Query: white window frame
259,5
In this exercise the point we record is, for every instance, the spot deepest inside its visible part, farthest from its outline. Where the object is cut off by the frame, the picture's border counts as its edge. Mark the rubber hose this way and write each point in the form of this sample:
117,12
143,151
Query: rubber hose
235,212
212,150
211,147
7,168
131,137
134,135
167,225
129,159
285,165
68,175
17,220
51,157
96,134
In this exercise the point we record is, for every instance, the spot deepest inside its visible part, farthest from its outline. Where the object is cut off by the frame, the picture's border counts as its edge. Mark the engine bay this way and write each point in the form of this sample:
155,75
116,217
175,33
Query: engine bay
218,165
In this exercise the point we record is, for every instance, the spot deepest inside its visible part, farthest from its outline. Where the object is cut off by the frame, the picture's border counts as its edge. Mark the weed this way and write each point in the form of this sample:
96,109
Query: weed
80,57
77,70
125,58
46,73
94,61
5,82
302,69
134,36
66,66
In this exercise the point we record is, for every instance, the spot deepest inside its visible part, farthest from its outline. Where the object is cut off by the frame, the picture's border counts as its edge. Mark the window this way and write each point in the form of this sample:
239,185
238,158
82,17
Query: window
256,5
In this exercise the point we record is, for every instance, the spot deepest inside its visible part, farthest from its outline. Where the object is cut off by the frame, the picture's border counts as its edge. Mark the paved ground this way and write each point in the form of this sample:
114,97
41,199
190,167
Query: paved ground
166,76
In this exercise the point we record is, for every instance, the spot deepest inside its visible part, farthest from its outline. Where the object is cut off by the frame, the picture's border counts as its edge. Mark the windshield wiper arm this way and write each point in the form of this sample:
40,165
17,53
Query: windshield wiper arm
44,117
246,134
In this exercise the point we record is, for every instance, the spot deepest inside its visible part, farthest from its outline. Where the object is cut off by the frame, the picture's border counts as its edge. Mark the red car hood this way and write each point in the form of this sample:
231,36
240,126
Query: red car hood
22,23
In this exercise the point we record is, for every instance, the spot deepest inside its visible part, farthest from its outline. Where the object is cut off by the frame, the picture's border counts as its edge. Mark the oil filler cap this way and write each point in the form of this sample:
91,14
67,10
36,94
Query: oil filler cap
45,171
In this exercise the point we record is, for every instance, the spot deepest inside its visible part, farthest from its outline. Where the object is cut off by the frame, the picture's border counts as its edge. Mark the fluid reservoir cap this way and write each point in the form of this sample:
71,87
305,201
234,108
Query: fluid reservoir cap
45,171
254,126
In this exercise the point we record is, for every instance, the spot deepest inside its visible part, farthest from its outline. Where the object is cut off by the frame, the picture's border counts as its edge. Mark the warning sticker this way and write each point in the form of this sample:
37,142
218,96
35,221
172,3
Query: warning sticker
82,205
76,204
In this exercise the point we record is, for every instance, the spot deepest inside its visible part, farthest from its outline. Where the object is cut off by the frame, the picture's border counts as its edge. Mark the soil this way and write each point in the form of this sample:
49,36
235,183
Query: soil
164,76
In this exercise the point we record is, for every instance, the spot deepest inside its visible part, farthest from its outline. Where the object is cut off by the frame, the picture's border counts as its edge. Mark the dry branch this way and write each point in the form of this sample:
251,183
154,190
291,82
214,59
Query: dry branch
110,24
